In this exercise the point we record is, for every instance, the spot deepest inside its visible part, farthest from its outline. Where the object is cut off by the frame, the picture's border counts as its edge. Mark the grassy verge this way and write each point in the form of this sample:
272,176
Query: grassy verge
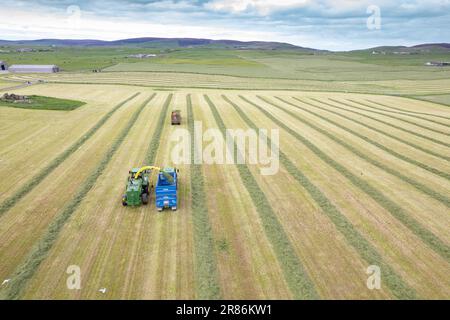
207,286
9,202
407,112
394,153
295,274
367,252
414,133
26,270
394,137
45,103
427,236
390,116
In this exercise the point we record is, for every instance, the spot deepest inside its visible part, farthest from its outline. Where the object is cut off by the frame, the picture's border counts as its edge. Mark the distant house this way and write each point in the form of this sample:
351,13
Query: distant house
3,66
17,68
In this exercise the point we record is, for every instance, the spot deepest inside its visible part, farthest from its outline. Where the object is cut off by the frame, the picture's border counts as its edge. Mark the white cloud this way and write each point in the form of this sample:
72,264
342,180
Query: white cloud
262,7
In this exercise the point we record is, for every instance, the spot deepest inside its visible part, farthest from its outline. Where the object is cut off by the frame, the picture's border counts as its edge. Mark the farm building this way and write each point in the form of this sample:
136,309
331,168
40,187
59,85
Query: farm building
3,66
16,68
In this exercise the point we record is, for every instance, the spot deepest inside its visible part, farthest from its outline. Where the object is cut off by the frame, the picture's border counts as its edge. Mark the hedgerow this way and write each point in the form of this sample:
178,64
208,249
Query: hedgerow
207,285
426,167
27,269
9,202
367,252
427,236
295,274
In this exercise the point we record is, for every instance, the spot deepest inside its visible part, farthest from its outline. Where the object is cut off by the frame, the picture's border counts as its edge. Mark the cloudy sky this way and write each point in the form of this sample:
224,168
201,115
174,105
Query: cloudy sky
322,24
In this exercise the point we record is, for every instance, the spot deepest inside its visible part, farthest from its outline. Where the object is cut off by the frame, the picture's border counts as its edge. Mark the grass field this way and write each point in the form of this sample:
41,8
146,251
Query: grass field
364,180
44,103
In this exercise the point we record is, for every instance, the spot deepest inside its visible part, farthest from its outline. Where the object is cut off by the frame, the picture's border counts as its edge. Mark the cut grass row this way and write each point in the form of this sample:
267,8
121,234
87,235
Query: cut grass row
414,133
394,137
391,116
295,274
207,285
155,141
395,283
27,269
399,213
392,152
35,180
407,112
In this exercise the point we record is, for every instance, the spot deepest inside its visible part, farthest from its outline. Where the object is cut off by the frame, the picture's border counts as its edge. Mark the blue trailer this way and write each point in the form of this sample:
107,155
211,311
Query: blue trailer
166,189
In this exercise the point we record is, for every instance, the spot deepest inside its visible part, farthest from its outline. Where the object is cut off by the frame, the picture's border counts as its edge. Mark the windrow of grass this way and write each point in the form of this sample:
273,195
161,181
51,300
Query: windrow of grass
392,152
155,141
399,213
408,112
28,186
394,137
206,274
367,252
390,116
294,272
414,133
27,269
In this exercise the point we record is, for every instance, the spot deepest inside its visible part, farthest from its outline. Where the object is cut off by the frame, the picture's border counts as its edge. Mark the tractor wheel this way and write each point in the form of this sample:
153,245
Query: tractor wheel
174,208
144,198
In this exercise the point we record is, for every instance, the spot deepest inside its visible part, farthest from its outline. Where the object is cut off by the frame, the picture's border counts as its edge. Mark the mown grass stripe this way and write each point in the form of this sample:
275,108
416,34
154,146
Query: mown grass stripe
372,128
427,236
206,274
414,133
370,141
406,112
11,201
390,116
419,186
367,252
295,274
27,269
156,139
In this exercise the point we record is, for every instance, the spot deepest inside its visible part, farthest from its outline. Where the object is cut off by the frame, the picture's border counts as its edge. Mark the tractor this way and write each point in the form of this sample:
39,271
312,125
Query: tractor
139,184
137,192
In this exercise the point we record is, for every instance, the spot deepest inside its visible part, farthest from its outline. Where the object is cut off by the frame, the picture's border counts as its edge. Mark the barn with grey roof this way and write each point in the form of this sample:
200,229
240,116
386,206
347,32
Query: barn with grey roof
28,68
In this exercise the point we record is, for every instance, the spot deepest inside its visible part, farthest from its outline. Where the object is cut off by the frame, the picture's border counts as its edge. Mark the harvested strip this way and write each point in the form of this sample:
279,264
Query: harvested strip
298,280
419,186
395,283
398,112
390,116
428,237
154,143
207,285
370,141
407,111
34,181
379,120
27,269
371,127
